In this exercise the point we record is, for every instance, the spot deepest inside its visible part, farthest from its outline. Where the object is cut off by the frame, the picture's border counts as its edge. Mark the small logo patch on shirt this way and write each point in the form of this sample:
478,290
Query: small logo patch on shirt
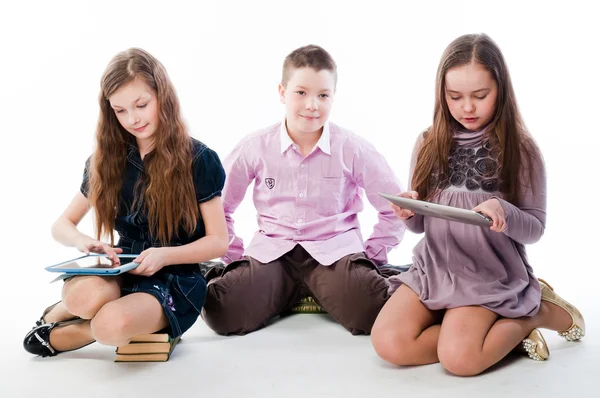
270,182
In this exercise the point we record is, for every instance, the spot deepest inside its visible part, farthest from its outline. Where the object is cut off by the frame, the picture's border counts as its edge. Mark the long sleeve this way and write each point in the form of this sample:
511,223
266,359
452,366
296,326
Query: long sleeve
239,175
374,175
527,221
416,223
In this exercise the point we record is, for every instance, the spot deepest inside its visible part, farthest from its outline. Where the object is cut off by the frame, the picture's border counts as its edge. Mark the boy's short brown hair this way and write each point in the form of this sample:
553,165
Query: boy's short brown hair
311,56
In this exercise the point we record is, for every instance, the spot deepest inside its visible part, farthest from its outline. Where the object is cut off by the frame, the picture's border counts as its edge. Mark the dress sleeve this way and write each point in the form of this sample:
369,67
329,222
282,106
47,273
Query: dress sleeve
526,221
208,174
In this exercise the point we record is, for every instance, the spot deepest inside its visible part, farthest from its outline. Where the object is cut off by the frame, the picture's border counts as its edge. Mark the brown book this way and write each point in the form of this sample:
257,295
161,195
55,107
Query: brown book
143,358
146,352
144,348
151,338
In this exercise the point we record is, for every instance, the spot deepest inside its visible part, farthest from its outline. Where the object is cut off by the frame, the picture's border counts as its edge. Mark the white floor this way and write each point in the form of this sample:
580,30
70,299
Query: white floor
298,356
55,56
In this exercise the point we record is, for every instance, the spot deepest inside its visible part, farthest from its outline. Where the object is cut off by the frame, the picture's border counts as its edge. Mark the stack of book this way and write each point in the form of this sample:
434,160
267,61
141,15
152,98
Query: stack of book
307,306
156,347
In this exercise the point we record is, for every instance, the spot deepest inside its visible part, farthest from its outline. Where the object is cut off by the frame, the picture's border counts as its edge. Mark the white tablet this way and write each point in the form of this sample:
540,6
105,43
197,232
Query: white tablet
440,211
95,264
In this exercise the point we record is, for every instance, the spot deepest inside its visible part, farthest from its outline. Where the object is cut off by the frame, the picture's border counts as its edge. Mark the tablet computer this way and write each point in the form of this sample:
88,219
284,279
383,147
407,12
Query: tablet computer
95,264
440,211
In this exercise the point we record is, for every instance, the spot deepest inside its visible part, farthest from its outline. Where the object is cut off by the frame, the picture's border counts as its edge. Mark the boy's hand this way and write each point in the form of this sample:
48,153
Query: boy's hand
494,210
402,213
87,245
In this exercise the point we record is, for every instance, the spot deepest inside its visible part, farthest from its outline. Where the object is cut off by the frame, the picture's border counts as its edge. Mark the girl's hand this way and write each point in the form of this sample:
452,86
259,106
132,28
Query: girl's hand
494,210
402,213
87,245
150,261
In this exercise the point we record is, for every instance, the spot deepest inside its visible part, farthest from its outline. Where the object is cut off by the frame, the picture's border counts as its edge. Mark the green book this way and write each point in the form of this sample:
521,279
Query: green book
307,305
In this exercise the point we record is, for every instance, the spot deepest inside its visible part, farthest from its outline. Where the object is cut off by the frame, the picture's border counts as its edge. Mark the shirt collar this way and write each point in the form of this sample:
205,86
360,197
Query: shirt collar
324,142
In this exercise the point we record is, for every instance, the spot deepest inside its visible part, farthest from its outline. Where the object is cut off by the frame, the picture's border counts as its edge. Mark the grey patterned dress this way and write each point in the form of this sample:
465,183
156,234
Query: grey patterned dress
456,264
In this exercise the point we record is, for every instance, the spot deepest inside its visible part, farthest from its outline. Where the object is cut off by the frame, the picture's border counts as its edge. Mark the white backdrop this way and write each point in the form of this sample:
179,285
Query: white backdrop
225,58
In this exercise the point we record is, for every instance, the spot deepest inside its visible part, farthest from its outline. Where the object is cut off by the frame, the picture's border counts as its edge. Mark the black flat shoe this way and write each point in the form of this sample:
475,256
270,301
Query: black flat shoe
37,341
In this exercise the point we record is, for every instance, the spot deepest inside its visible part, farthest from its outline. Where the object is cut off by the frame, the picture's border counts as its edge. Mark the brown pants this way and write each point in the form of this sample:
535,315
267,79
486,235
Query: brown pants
249,293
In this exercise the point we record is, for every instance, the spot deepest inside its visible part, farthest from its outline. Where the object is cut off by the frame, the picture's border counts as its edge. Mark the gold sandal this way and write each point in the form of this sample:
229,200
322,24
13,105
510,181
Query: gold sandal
577,329
535,346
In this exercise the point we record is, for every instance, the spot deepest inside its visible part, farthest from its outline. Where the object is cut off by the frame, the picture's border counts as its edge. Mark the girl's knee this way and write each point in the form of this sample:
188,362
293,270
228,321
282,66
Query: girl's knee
392,345
460,361
84,298
110,326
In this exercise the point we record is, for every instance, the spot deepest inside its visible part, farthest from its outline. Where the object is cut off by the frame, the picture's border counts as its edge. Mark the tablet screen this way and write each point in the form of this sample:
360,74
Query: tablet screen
88,262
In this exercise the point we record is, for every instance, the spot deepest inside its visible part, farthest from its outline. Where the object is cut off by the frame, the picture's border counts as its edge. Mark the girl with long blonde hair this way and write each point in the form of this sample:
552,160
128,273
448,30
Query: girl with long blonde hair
471,296
159,189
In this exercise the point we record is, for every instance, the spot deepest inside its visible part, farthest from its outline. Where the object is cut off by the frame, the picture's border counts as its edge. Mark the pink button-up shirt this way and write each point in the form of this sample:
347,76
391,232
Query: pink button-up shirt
312,201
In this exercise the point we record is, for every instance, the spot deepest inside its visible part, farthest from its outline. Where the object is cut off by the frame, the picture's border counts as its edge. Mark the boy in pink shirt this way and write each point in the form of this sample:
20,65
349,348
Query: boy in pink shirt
307,174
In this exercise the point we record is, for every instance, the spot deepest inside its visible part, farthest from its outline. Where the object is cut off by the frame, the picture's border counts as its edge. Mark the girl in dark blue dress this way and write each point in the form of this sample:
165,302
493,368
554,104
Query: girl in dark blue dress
159,189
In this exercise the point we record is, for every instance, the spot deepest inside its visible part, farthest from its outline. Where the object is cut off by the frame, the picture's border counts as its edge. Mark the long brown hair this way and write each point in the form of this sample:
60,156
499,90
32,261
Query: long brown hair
506,131
169,198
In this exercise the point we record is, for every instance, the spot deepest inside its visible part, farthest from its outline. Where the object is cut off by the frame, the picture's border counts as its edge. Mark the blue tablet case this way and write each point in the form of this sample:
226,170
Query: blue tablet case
124,267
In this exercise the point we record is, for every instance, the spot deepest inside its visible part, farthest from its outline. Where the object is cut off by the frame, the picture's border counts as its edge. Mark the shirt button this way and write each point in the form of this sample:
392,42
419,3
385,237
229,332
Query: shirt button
302,166
301,194
299,221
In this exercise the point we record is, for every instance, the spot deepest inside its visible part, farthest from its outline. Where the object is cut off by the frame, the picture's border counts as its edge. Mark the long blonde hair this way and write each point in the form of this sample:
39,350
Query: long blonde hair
169,196
506,131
